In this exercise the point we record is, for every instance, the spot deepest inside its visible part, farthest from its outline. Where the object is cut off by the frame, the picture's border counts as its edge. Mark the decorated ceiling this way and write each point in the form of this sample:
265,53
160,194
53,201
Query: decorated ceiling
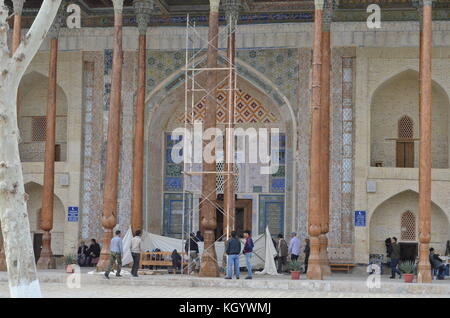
98,13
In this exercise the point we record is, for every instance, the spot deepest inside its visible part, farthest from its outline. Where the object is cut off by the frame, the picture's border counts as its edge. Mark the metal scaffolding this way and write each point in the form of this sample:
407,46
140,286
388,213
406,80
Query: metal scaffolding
195,91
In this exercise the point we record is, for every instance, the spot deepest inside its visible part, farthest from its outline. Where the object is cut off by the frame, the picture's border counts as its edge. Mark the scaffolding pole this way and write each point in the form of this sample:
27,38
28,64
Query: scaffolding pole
194,93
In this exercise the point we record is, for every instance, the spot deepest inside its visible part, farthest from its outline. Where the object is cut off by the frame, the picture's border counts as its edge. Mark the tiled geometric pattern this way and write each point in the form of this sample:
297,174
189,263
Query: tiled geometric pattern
405,127
271,213
408,226
280,66
173,177
247,110
92,177
220,178
173,219
278,179
347,182
39,128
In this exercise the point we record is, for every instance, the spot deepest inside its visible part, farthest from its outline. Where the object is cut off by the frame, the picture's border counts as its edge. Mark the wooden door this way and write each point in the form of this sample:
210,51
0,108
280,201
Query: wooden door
405,154
37,245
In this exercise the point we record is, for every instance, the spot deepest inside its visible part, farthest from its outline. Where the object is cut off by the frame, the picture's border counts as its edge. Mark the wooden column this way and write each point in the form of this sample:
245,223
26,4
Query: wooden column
113,149
424,268
314,202
17,32
208,219
229,223
143,9
325,137
46,260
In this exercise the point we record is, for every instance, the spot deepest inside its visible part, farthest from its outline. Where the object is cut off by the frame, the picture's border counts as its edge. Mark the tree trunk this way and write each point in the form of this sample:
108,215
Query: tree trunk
23,281
22,276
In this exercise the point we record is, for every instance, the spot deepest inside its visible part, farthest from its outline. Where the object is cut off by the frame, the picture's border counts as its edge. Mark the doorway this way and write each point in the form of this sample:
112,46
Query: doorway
243,218
408,251
37,245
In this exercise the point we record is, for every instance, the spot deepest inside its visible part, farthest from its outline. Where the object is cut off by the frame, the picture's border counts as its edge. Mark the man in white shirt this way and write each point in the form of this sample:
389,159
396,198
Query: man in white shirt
115,255
294,247
136,249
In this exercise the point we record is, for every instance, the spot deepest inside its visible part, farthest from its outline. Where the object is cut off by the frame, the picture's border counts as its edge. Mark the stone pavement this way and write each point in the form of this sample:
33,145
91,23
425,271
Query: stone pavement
54,284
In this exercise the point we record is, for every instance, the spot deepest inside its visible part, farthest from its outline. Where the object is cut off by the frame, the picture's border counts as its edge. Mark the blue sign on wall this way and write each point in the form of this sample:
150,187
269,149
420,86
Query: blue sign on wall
360,218
72,214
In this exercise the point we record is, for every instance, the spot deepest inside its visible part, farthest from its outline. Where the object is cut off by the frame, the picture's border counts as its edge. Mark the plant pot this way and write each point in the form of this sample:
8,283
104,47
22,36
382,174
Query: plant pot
295,275
70,269
408,278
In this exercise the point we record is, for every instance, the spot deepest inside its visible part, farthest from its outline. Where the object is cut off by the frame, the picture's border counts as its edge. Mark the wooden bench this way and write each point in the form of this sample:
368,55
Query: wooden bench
342,267
159,259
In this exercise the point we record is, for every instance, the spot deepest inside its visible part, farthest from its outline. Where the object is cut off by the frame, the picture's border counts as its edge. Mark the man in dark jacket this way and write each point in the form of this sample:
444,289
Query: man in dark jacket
283,252
191,249
307,251
233,249
437,263
395,258
248,249
93,252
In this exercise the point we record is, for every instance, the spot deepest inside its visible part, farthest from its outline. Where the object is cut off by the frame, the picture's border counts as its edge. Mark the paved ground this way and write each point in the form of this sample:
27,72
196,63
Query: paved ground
54,284
55,290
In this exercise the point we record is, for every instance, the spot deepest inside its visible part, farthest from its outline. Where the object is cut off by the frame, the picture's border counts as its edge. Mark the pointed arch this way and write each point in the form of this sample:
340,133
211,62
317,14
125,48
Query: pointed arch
155,120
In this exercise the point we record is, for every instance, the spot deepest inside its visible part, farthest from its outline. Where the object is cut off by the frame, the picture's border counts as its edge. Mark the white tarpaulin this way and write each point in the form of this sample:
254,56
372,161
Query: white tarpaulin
269,268
167,244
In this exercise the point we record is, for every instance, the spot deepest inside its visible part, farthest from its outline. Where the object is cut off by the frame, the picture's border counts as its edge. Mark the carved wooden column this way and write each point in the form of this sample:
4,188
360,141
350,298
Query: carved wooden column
17,31
46,260
208,219
424,268
314,208
143,9
325,136
113,149
232,8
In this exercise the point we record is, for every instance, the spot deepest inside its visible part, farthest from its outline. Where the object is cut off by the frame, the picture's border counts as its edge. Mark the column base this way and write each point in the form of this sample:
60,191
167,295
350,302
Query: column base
324,261
314,266
208,264
424,267
105,253
46,259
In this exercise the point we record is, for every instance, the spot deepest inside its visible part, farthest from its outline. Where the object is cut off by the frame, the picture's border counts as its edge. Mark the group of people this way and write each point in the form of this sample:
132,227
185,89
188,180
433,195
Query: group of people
87,255
293,250
233,251
394,252
116,254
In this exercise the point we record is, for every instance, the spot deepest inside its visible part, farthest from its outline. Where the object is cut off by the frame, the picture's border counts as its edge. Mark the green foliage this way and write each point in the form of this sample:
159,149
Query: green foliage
70,259
407,267
295,266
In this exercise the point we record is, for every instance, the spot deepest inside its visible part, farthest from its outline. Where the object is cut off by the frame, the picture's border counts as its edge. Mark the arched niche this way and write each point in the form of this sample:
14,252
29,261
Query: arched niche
396,98
32,111
166,101
386,221
34,205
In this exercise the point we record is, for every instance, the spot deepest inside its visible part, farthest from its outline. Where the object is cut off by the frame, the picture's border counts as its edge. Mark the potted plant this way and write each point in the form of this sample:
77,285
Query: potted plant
295,268
407,268
70,260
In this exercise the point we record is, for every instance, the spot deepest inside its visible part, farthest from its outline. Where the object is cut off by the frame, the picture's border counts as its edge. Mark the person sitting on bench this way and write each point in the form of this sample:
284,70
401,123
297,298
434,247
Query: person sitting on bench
437,263
176,260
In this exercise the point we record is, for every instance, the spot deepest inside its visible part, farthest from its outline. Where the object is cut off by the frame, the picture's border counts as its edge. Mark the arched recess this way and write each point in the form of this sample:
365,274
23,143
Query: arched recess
398,97
32,106
386,221
162,103
34,205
